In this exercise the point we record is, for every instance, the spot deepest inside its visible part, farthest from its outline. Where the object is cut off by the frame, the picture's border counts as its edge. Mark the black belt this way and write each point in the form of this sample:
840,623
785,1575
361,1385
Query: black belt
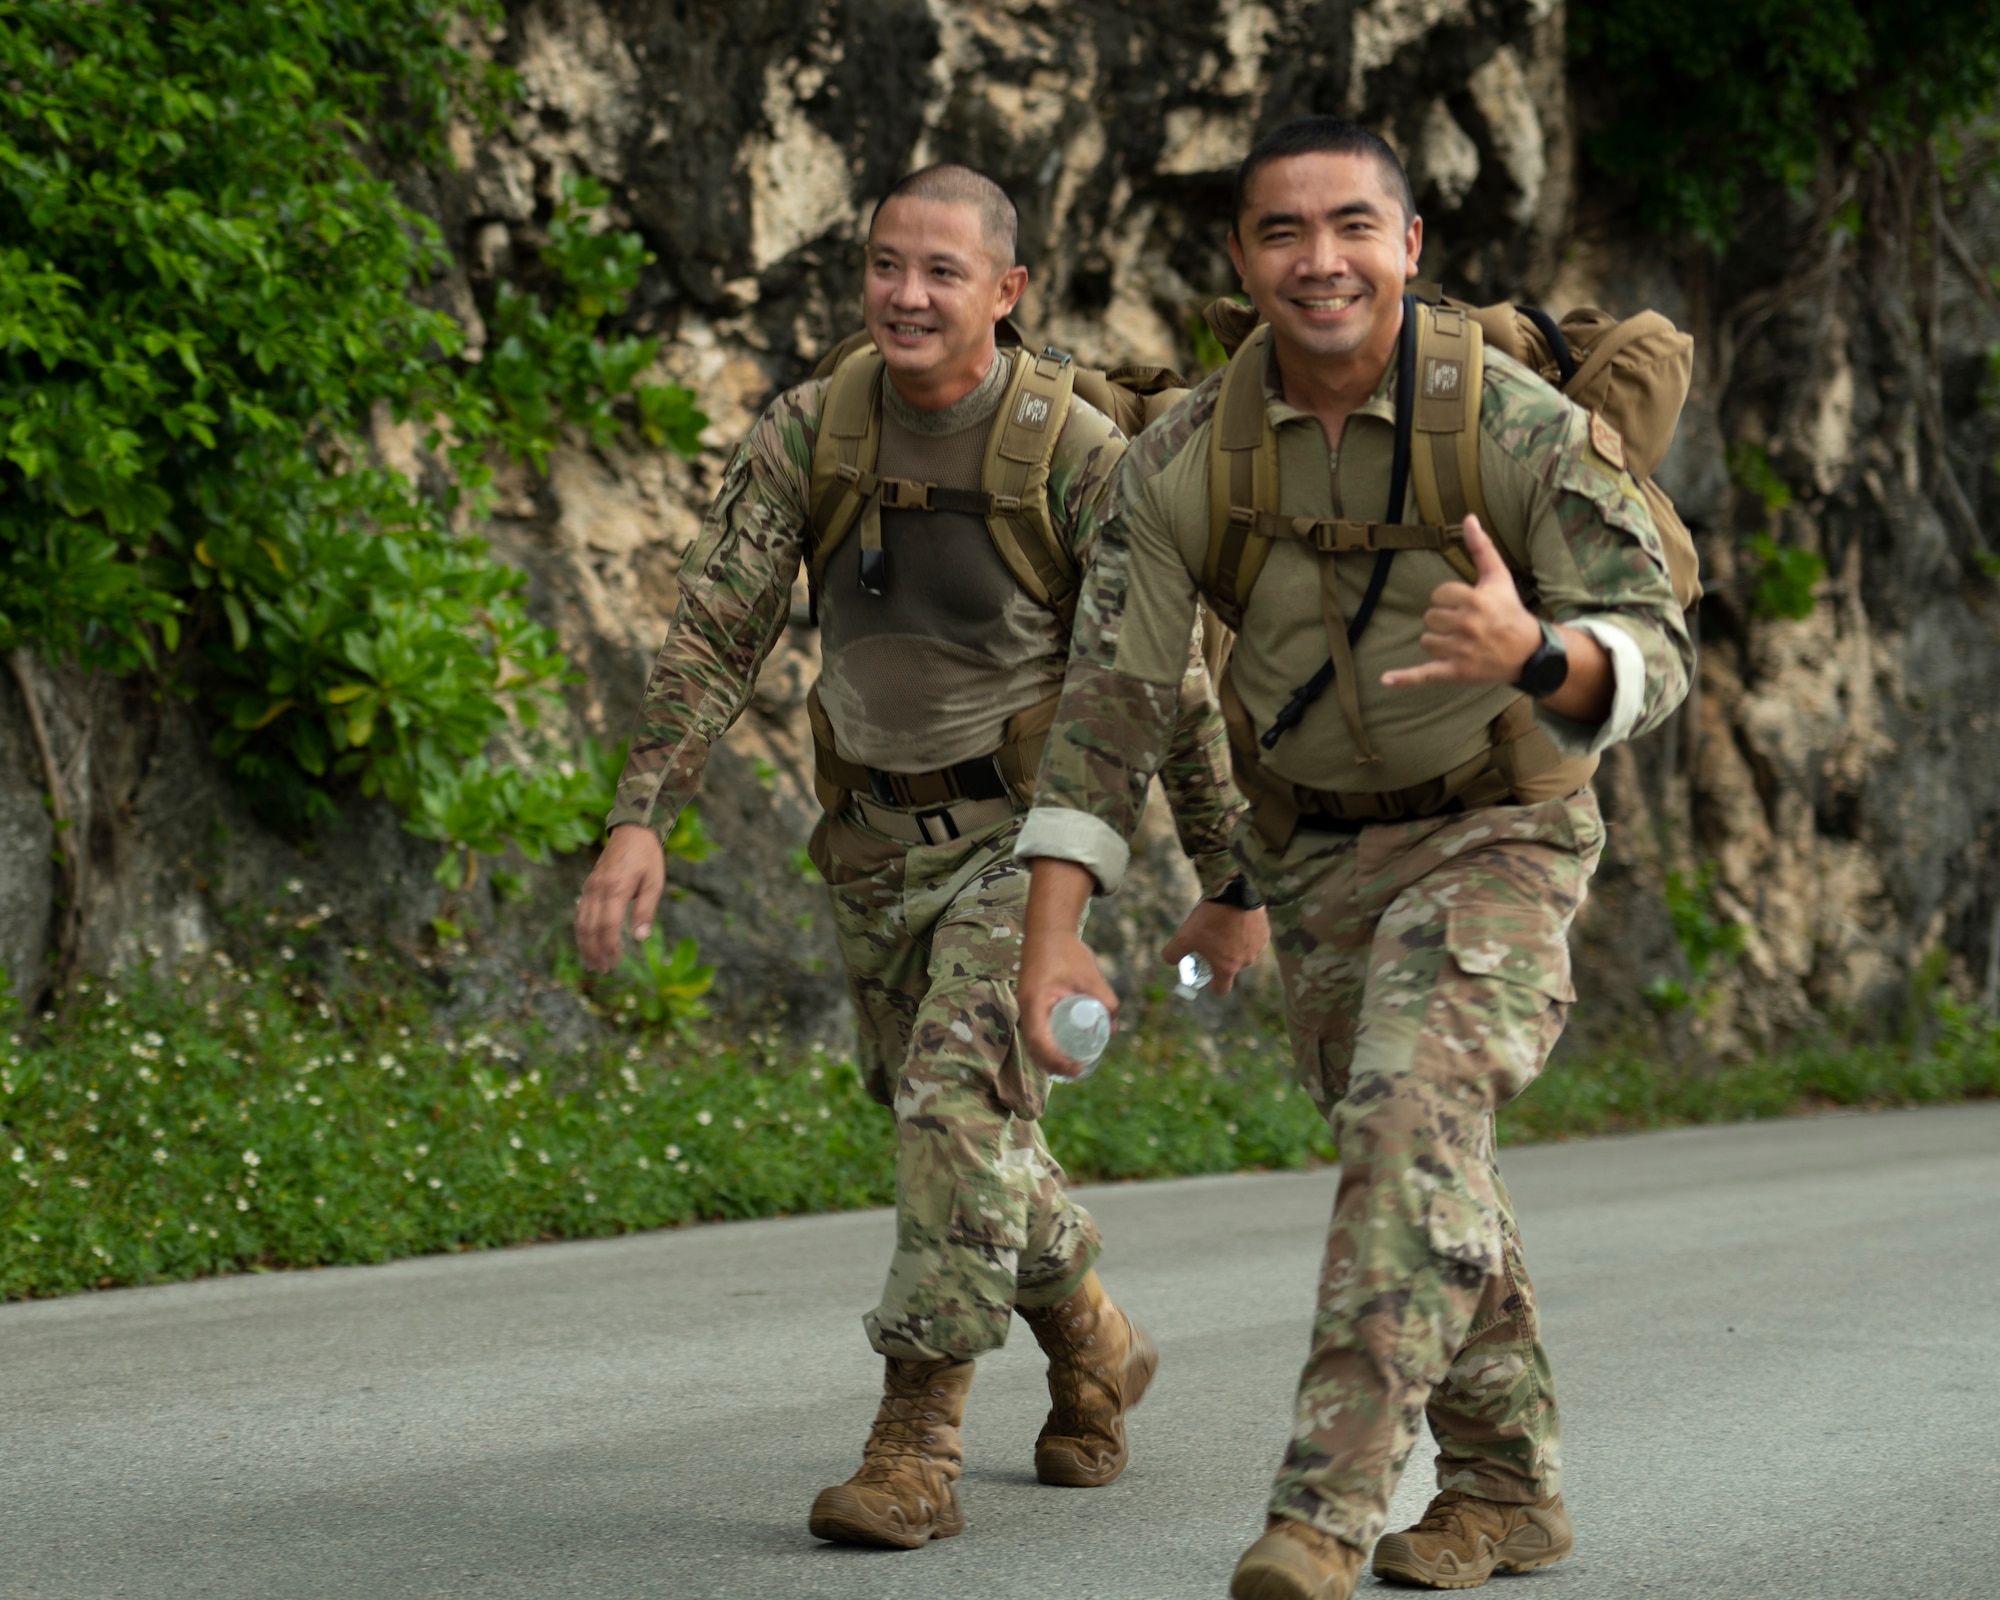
1326,822
977,779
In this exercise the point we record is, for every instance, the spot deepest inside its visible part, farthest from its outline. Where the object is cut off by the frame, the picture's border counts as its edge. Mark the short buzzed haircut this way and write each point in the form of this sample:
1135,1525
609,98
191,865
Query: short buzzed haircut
1307,136
951,184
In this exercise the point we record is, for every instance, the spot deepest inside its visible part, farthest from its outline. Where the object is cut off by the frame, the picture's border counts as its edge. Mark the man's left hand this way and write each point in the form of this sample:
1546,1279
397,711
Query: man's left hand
1474,633
1228,939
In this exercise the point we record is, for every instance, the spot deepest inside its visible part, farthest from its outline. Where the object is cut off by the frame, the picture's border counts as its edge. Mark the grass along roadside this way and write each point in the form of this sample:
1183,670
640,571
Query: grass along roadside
234,1117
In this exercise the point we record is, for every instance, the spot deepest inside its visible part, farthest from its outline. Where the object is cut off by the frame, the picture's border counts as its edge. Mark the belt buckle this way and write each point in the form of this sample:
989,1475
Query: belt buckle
942,814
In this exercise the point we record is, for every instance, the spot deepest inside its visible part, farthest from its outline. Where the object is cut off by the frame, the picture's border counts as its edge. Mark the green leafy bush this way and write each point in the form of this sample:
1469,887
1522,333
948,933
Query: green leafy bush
1786,582
1707,938
1695,101
205,301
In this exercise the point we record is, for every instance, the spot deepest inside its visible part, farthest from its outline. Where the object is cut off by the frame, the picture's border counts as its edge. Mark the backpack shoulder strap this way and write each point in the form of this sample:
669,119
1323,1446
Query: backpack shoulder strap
860,340
844,457
1015,473
1242,481
1444,419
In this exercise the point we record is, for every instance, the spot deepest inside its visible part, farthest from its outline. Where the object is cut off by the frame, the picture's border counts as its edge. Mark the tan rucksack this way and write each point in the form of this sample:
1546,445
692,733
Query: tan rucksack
1012,495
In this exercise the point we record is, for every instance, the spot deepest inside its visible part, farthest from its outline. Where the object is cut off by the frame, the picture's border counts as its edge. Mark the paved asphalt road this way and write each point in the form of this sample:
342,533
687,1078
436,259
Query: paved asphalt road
1778,1348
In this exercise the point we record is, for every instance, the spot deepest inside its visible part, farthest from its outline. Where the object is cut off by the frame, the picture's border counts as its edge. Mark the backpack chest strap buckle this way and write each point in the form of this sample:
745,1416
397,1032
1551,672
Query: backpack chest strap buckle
904,494
1340,537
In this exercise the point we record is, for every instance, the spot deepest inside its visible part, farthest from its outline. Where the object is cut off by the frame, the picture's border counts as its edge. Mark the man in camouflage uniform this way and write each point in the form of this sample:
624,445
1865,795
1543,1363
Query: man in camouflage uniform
1421,866
932,660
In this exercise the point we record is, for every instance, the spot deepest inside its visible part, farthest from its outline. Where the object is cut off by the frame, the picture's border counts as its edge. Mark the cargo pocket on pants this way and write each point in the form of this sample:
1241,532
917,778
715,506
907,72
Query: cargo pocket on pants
990,1216
1512,1021
1464,1233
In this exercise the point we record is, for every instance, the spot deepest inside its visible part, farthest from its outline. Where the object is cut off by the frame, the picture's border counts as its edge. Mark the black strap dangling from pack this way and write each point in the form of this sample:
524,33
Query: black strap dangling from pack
1558,345
1399,481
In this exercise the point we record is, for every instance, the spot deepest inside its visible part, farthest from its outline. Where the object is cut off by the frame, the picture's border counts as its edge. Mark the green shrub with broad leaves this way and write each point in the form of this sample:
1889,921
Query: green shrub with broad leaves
209,293
1696,102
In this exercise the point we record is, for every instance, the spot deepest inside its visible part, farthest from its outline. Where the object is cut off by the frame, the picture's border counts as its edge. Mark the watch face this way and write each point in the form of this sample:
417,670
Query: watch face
1545,671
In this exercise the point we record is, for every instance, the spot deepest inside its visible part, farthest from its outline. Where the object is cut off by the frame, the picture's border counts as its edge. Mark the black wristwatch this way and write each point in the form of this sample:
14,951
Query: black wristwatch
1237,895
1547,669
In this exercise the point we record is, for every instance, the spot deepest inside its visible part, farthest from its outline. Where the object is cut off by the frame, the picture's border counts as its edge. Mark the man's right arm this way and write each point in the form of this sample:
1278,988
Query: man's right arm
1120,704
735,592
735,595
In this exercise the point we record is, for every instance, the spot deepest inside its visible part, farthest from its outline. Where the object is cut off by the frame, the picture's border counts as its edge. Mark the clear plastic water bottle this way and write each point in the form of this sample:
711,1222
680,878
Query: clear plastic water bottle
1082,1028
1195,975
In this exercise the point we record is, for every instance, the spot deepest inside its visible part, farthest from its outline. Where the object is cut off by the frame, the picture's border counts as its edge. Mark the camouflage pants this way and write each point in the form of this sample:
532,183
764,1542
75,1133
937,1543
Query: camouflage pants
931,935
1427,976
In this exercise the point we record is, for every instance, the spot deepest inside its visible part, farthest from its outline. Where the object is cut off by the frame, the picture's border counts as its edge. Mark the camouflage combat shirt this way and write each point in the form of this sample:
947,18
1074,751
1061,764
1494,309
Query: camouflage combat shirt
1559,509
735,597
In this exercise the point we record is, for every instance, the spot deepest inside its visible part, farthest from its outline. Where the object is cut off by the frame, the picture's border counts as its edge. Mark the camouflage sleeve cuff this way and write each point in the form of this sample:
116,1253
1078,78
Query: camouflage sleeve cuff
1628,693
1213,869
1067,835
660,819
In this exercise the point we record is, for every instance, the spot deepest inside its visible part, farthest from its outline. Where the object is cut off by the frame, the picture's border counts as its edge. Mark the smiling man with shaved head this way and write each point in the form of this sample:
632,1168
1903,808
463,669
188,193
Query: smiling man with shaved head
934,484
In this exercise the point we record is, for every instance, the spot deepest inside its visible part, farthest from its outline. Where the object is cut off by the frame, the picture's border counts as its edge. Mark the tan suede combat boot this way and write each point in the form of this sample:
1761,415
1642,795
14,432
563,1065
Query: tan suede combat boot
1295,1561
1463,1540
1100,1362
905,1493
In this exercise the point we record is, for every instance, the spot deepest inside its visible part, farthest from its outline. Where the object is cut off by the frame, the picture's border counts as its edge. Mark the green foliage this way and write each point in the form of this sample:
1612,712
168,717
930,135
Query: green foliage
178,1124
1625,1094
1707,937
1209,356
205,300
548,364
1167,1101
655,988
1787,579
1751,468
1701,99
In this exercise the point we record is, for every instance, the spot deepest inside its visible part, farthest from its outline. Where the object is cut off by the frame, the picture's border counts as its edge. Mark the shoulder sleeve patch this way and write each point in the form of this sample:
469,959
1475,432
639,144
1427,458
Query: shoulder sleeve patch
1605,441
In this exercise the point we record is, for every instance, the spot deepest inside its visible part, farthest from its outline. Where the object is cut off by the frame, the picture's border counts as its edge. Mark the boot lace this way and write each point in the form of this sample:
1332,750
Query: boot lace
1455,1515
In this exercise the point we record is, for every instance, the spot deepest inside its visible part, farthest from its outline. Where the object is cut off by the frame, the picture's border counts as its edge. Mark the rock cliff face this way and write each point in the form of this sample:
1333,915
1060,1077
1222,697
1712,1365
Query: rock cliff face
1839,771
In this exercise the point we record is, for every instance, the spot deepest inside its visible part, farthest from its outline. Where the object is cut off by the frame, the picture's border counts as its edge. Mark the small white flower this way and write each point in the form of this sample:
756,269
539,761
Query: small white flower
437,1183
293,886
59,1155
739,1123
590,1199
287,953
242,1204
423,1149
252,1159
319,1199
703,1117
386,1062
824,1112
672,1152
514,1139
159,1152
409,1176
20,1154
